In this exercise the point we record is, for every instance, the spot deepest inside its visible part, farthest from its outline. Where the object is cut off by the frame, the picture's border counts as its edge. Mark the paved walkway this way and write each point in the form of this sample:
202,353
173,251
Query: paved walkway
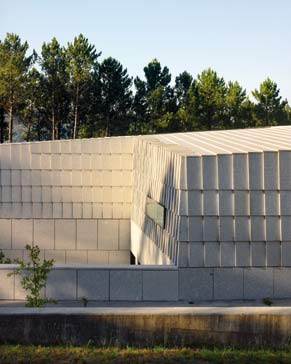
235,307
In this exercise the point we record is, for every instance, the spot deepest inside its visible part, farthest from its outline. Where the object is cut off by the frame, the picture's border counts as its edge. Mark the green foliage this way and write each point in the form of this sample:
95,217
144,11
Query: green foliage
154,103
14,65
69,94
3,259
34,274
54,65
3,123
267,301
183,83
187,108
90,354
81,63
269,109
211,92
238,108
115,97
85,301
34,113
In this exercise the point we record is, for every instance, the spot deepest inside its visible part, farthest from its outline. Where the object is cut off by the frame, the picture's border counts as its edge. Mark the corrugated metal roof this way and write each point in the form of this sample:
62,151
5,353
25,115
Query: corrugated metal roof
232,141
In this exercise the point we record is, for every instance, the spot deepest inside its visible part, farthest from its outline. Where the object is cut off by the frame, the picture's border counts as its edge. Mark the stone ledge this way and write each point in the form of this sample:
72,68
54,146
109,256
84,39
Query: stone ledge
101,267
148,327
151,310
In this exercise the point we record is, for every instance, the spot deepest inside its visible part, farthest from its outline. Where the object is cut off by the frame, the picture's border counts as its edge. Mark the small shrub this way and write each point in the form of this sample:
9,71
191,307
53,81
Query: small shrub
34,274
3,259
267,301
85,301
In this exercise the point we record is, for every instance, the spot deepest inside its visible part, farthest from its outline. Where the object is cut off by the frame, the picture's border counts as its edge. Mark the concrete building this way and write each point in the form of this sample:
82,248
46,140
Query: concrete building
207,215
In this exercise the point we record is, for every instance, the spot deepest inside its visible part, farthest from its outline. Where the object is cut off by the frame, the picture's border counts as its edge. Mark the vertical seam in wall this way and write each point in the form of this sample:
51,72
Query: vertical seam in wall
118,233
212,283
280,221
97,243
32,232
142,293
265,244
109,281
273,281
250,254
220,254
54,223
77,283
76,232
11,234
41,203
44,289
14,276
243,282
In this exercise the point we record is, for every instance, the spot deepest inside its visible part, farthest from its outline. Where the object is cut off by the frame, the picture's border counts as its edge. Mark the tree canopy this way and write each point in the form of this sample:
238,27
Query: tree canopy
66,92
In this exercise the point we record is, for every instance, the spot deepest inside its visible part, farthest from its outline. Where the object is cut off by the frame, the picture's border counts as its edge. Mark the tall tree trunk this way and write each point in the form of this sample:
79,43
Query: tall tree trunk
59,123
2,120
53,124
76,110
38,128
107,126
28,133
29,125
10,127
59,131
209,120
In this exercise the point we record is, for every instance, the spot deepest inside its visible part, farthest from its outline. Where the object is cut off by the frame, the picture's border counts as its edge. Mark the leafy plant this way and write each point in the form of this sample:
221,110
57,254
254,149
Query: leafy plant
85,301
267,301
3,259
34,274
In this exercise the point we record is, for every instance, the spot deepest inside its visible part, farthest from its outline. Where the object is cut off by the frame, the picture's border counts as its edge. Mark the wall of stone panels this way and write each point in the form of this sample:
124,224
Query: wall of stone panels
154,283
103,283
158,173
237,210
72,198
225,210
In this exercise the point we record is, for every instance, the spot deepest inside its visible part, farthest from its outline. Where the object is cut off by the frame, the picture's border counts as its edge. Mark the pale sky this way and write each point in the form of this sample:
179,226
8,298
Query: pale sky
245,40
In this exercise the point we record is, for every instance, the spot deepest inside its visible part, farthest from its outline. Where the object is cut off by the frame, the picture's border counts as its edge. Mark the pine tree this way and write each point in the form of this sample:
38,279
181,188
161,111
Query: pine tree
238,108
269,109
34,112
154,99
139,106
183,83
55,83
211,92
185,102
116,97
14,65
187,108
3,124
81,63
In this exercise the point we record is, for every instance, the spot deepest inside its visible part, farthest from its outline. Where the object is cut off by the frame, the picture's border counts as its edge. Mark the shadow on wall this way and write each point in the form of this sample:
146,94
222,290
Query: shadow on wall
148,330
159,245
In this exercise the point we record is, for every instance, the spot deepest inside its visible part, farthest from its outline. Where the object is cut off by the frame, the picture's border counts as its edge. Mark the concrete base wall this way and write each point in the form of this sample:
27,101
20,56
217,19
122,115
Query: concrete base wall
99,283
148,327
207,284
155,283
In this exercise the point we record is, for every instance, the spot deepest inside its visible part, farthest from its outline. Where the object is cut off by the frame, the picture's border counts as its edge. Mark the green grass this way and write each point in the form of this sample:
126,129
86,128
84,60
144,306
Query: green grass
20,354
